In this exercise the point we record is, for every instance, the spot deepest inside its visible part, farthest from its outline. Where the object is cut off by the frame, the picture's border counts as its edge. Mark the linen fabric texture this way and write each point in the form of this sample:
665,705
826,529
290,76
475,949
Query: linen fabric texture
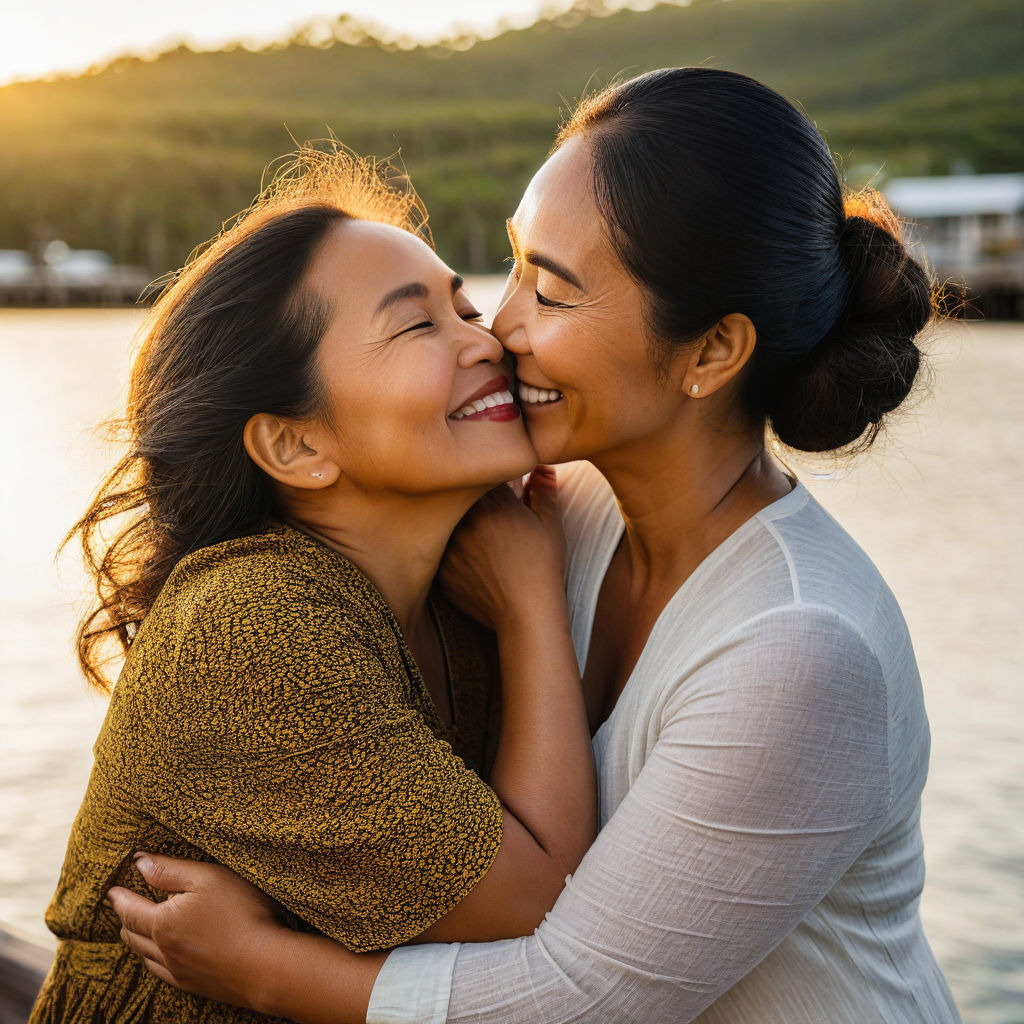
270,716
760,859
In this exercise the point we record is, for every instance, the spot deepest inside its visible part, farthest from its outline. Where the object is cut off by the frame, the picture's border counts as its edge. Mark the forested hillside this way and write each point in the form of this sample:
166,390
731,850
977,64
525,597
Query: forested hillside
145,158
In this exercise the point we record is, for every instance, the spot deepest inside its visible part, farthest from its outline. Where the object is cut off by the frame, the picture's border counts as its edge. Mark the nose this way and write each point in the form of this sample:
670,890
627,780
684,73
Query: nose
508,324
478,345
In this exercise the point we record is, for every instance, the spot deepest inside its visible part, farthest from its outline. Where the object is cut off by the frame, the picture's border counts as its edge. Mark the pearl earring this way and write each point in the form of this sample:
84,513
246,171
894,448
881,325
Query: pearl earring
694,388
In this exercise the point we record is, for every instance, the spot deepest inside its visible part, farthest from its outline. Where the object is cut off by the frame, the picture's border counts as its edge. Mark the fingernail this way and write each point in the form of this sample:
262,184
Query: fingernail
142,862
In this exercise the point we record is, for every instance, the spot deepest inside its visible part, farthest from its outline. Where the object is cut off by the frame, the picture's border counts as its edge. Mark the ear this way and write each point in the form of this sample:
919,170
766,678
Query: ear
287,452
720,356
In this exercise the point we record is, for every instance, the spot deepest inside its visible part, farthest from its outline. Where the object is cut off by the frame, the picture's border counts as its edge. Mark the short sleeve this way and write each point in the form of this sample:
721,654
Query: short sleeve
287,745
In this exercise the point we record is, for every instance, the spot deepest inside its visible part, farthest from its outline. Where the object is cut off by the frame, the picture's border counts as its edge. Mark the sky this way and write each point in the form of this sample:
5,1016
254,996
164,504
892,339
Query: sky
42,37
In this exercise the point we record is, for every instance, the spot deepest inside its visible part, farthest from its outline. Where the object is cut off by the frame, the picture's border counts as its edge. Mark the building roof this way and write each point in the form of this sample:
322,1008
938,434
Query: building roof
961,195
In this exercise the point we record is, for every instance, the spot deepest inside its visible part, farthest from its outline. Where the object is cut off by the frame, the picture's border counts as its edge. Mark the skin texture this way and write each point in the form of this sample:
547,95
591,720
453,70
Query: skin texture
687,471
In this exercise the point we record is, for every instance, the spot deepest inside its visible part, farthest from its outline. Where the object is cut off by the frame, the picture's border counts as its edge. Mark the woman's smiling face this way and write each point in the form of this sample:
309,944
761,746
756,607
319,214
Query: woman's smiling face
573,317
417,388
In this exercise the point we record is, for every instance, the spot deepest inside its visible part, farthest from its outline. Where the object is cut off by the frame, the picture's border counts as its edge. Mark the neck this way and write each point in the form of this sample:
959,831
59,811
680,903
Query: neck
396,540
679,500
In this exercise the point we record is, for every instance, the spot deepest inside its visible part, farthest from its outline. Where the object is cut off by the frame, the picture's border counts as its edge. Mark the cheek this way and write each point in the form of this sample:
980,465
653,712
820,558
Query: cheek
560,351
392,416
587,365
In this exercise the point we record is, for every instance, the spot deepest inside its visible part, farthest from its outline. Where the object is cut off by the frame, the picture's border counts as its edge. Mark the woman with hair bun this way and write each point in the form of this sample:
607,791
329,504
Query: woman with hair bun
689,280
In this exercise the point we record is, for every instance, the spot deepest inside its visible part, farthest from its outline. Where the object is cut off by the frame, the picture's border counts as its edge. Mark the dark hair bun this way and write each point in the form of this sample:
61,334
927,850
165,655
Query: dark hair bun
864,367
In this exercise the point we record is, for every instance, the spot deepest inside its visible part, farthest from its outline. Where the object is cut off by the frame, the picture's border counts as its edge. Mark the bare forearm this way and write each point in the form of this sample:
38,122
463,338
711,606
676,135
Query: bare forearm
544,770
311,979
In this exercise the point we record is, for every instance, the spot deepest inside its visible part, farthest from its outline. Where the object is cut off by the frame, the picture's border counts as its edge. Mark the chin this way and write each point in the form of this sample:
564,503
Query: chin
551,443
518,470
497,473
518,462
554,454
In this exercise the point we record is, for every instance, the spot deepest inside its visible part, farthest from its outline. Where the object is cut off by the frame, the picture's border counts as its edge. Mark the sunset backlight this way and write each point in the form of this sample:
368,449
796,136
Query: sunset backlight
59,36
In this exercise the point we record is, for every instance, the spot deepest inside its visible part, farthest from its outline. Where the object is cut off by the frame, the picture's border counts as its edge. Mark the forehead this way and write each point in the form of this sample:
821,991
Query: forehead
358,261
557,210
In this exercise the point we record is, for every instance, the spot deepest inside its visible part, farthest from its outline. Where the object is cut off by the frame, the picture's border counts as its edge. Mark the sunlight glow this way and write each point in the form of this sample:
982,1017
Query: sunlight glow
51,37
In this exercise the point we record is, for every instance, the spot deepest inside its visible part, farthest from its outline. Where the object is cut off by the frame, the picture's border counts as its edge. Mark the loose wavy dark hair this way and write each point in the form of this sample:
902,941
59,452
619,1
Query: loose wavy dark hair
235,334
721,197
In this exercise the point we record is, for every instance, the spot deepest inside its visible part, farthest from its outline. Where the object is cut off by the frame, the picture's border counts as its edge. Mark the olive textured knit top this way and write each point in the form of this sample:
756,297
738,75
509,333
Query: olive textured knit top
270,716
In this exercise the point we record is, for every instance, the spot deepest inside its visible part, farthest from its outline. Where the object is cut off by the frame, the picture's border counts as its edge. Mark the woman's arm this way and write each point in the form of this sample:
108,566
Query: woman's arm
221,937
768,778
505,566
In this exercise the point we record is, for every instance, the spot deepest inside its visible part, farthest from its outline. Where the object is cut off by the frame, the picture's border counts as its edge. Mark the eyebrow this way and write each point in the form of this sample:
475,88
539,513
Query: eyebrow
416,290
536,259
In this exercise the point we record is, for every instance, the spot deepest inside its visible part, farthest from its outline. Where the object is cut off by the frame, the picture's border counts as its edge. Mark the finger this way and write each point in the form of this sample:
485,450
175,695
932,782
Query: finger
159,970
136,912
542,491
145,947
168,874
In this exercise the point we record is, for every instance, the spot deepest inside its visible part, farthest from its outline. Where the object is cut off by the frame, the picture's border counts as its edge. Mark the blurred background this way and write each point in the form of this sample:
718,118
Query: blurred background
130,132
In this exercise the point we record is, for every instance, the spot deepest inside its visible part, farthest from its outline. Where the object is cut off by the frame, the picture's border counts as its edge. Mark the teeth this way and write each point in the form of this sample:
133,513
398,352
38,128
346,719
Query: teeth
487,402
537,396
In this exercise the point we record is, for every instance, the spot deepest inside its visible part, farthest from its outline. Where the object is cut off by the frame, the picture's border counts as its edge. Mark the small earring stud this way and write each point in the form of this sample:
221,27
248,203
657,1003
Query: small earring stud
694,388
319,476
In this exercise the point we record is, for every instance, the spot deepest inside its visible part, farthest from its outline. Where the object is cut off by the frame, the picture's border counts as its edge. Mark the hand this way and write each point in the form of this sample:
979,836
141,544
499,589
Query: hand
211,936
507,551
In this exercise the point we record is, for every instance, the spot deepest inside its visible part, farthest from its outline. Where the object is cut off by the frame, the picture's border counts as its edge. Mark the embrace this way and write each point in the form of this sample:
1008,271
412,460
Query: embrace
396,745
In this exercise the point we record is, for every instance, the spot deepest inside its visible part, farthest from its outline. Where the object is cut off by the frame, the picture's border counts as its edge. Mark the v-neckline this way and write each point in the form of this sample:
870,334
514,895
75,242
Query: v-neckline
604,564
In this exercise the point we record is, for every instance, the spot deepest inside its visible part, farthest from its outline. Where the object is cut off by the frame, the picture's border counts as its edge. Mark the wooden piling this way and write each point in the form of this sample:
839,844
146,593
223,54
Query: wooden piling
23,966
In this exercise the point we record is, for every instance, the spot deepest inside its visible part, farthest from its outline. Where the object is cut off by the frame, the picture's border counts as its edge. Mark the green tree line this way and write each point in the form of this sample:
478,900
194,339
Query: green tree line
146,158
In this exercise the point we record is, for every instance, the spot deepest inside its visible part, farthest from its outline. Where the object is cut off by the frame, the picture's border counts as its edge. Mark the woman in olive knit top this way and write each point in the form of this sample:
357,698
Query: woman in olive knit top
314,407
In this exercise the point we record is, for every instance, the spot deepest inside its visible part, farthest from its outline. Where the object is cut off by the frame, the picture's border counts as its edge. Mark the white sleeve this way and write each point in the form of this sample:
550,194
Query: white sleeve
414,985
768,777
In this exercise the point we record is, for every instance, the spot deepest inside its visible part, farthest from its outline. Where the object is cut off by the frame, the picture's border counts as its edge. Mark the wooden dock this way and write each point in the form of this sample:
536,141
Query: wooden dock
23,966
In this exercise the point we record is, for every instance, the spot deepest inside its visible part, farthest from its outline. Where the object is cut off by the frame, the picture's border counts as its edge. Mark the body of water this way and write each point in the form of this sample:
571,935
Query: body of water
937,506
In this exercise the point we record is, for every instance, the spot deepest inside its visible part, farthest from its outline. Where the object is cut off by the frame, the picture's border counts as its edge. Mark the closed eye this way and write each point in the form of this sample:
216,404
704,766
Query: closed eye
415,327
550,303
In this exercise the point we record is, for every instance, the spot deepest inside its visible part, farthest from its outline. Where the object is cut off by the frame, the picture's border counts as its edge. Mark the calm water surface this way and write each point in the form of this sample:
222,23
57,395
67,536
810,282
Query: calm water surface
938,509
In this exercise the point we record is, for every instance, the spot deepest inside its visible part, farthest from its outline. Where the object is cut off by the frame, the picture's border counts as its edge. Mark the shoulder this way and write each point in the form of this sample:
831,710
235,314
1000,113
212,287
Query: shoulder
278,577
274,611
265,629
799,692
788,615
828,569
811,651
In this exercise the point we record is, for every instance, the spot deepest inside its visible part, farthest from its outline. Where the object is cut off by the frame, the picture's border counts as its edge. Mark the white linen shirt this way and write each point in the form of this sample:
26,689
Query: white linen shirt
760,859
